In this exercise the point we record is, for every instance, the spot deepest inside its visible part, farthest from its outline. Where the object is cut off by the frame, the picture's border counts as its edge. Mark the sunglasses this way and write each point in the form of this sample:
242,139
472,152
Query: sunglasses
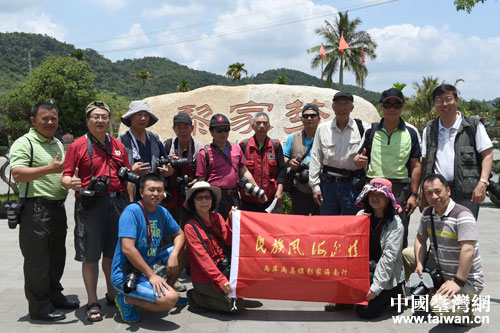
388,105
203,197
309,116
222,129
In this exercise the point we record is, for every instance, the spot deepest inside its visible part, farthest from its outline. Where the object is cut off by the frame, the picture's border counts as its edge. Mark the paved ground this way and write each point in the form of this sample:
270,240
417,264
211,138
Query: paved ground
272,316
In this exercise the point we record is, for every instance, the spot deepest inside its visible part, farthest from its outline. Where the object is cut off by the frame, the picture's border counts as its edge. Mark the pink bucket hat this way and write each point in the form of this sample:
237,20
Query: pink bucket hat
381,185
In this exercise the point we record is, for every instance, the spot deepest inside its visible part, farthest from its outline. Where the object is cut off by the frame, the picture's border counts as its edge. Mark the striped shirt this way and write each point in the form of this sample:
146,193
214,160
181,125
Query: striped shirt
457,224
44,150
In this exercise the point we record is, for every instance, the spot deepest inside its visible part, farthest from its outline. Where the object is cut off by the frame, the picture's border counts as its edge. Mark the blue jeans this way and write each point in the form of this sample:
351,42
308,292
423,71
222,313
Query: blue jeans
338,199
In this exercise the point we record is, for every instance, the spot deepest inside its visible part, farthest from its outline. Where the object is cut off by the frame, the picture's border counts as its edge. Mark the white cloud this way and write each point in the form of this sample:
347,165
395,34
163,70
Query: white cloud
172,10
110,5
135,37
33,21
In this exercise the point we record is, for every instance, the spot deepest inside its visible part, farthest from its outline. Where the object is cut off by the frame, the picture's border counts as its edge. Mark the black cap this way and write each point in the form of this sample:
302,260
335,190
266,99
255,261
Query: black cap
219,120
392,93
182,117
310,106
343,94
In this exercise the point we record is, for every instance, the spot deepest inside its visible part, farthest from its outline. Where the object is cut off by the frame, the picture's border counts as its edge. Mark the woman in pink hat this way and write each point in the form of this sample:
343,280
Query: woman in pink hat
386,239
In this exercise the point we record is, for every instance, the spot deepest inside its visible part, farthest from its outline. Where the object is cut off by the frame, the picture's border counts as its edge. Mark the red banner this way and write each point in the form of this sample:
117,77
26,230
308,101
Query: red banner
303,258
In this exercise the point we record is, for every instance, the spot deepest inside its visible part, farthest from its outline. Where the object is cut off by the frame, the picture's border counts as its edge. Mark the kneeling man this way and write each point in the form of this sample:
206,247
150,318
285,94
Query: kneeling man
142,231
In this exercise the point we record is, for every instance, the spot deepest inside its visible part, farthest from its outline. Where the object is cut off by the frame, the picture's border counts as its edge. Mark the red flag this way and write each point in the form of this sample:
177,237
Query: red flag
306,258
343,44
322,52
363,55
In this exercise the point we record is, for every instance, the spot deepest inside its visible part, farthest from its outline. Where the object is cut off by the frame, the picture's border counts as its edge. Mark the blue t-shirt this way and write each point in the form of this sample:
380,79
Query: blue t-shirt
287,148
133,225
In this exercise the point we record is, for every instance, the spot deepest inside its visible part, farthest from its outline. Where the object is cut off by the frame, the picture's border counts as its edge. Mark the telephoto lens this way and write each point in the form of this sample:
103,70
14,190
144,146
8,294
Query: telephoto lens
254,190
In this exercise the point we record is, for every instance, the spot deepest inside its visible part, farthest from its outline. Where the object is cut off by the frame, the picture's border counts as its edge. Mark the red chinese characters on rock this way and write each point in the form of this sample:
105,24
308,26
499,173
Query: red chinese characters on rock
200,116
295,112
243,119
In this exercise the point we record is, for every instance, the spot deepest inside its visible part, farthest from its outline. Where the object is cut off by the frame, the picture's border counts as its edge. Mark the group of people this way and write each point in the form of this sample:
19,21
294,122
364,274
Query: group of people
149,206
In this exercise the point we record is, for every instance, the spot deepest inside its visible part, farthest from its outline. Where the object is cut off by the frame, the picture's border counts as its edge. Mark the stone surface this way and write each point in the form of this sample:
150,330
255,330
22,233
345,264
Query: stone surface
282,103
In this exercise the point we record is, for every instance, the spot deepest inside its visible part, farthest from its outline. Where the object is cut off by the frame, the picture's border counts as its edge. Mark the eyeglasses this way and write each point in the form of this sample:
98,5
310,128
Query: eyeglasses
342,105
203,197
309,116
440,101
222,129
96,117
388,105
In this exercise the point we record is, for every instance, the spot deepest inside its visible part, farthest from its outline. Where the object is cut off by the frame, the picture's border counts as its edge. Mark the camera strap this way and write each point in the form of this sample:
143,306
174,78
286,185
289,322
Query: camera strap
90,150
308,148
149,233
30,165
434,240
208,233
226,158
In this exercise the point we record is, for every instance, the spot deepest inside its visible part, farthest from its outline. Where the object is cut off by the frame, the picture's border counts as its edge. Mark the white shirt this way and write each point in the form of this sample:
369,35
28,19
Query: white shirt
334,148
445,155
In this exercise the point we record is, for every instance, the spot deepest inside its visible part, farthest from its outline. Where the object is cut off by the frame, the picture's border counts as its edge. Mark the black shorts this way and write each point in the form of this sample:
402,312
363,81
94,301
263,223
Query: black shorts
96,227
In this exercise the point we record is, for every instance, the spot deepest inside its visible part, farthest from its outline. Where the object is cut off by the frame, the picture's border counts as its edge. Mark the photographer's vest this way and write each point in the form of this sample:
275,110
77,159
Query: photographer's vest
262,165
467,164
154,142
299,148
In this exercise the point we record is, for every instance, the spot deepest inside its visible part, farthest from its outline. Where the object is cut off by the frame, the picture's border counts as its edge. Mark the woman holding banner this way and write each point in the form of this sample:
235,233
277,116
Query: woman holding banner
208,241
386,239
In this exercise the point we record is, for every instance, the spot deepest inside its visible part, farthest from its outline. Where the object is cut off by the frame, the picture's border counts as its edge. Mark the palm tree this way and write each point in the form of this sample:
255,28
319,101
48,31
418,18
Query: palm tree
143,75
421,106
183,86
234,71
78,54
351,59
399,86
280,80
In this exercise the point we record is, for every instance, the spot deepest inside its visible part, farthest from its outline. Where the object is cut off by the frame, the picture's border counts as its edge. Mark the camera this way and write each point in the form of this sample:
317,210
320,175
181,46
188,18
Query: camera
183,183
13,213
224,266
250,189
431,279
493,188
302,173
125,173
177,164
130,282
97,184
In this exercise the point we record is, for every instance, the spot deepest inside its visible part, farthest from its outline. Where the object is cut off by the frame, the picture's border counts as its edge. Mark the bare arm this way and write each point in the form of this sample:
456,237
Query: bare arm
479,193
450,288
416,175
26,174
420,253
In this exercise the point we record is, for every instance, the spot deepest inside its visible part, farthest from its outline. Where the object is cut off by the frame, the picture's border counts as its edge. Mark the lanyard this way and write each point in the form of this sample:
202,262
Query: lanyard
90,150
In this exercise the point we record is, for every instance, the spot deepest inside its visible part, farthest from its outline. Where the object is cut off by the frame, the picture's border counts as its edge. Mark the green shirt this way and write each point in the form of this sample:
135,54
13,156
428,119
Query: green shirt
44,150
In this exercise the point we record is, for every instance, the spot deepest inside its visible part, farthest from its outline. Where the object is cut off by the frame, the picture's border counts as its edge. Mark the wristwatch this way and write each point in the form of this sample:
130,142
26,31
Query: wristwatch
415,194
459,281
484,181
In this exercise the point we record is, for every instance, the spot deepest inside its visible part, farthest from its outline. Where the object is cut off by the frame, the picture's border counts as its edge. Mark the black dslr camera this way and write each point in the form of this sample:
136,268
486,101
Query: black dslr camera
250,188
130,283
125,173
14,209
97,184
493,188
431,279
177,164
224,266
302,173
183,183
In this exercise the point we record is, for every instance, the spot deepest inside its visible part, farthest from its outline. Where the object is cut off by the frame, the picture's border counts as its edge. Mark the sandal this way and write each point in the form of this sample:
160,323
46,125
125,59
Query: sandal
110,301
94,312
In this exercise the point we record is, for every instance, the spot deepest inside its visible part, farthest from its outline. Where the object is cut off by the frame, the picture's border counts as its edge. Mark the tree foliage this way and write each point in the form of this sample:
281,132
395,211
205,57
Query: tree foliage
183,86
235,70
280,80
350,59
467,5
67,82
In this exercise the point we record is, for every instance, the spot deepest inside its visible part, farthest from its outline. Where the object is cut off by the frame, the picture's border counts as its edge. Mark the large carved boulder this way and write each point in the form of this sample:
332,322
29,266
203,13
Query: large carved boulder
282,103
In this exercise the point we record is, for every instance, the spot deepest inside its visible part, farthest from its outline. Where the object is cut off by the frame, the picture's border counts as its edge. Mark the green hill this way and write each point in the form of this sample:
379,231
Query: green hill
18,50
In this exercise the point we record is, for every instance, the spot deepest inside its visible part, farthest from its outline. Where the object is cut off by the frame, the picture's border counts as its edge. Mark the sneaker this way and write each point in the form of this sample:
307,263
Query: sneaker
182,301
333,307
127,311
179,287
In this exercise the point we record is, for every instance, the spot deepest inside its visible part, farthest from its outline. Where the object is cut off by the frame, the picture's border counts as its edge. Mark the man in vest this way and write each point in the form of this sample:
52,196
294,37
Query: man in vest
391,149
222,164
143,147
332,168
457,147
297,152
182,146
265,162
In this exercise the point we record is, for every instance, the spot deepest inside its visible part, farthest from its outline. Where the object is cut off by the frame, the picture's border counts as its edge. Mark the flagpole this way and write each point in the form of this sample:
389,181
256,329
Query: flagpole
321,74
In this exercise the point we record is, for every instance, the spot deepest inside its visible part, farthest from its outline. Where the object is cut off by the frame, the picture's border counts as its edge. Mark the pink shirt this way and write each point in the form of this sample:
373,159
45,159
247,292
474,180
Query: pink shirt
219,172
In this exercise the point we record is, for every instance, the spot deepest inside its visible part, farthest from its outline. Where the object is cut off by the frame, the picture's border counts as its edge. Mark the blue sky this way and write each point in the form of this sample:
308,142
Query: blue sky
415,38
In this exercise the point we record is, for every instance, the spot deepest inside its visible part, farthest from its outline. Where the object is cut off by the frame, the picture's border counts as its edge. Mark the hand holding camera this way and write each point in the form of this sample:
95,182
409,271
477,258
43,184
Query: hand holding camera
141,168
